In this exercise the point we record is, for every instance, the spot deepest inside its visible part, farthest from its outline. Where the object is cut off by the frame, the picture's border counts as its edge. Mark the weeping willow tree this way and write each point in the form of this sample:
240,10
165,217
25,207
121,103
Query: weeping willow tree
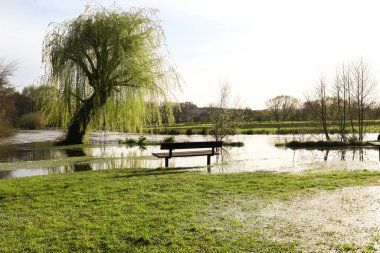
107,69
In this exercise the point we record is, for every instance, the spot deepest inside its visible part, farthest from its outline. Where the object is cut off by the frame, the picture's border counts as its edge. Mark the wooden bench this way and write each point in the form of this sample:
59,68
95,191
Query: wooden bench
189,145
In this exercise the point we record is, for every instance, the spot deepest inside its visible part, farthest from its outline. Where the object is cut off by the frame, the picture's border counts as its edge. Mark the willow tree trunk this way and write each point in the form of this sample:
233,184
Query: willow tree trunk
78,127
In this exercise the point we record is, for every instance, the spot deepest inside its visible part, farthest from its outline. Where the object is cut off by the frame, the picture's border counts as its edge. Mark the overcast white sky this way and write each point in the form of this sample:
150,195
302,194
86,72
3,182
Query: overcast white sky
264,48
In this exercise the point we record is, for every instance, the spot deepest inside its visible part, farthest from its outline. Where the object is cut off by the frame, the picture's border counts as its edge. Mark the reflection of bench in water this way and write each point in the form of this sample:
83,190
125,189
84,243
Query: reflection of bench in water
189,145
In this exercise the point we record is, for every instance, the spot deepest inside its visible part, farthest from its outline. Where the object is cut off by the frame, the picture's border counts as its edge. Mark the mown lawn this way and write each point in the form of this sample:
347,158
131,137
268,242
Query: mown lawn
141,210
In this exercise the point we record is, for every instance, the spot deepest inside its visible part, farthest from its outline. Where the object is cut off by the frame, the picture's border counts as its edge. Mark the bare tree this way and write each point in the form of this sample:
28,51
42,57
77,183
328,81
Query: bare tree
289,107
351,100
274,106
363,88
6,70
224,114
7,107
342,100
282,107
318,103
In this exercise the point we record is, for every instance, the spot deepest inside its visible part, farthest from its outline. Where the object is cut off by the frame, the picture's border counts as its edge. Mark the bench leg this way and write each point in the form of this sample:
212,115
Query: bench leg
208,160
166,162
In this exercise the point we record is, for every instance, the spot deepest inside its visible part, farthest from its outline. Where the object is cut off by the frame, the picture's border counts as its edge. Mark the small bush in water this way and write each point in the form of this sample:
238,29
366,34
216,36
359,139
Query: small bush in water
169,139
142,141
129,141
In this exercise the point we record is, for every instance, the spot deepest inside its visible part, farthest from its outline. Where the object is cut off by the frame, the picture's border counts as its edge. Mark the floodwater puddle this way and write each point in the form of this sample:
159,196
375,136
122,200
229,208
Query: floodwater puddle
323,222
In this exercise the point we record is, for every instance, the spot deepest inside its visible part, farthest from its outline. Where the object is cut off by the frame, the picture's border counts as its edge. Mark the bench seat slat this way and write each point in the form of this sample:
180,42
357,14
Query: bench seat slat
189,145
185,154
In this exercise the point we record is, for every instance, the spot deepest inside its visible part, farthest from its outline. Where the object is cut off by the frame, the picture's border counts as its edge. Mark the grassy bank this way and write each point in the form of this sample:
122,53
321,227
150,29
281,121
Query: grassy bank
139,210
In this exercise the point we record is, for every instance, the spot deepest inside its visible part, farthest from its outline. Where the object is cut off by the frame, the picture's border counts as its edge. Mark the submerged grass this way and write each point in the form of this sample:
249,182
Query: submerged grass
145,210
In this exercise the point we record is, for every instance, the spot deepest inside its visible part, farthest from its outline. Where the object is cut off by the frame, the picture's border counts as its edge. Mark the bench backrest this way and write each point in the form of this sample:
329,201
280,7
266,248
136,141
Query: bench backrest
188,145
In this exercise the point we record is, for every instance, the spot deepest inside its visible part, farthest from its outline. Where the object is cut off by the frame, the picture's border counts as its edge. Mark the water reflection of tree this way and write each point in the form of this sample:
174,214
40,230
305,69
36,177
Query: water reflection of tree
223,157
78,153
357,154
28,152
7,151
74,167
326,156
346,154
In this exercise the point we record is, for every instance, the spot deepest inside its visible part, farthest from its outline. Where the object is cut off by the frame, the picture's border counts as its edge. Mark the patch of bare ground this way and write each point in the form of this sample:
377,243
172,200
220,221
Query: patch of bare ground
347,219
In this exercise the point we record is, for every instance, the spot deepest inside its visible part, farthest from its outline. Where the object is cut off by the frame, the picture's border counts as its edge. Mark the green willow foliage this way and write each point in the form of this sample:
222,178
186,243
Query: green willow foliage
114,60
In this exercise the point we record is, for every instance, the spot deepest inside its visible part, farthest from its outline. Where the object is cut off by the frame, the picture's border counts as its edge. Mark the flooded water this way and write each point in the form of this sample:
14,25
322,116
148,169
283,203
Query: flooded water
258,153
317,222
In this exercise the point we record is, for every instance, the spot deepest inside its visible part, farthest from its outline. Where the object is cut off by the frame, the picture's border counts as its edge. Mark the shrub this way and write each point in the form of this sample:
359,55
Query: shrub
30,121
157,131
129,141
203,132
174,132
189,131
142,141
353,139
169,139
6,128
234,144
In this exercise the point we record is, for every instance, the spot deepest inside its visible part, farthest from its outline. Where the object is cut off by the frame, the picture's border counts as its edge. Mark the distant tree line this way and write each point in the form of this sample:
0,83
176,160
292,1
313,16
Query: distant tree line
188,112
292,109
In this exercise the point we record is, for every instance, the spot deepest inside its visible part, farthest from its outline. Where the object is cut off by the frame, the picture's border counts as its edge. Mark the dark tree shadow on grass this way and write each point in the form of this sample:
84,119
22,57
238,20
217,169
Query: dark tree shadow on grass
156,172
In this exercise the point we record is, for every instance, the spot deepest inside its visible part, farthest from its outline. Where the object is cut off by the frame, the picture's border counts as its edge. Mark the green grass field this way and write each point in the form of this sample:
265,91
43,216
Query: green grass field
162,210
272,127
